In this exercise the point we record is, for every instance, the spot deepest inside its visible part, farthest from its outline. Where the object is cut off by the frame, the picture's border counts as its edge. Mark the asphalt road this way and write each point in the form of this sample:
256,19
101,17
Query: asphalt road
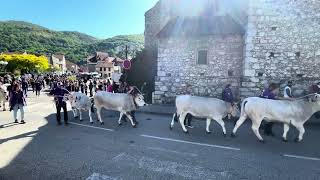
42,150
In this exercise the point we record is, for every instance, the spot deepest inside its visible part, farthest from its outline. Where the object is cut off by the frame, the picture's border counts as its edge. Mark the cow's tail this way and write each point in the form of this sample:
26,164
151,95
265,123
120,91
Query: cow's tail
243,104
92,105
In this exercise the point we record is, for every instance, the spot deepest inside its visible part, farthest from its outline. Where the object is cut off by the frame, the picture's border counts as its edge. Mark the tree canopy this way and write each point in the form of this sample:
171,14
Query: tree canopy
18,36
25,62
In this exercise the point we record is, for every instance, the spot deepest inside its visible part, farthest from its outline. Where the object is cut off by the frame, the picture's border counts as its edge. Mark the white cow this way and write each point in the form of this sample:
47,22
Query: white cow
202,107
288,112
3,96
124,103
80,102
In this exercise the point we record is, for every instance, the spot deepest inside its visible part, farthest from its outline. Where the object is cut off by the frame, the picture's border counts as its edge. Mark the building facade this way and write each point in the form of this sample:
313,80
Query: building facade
245,43
58,60
104,65
108,67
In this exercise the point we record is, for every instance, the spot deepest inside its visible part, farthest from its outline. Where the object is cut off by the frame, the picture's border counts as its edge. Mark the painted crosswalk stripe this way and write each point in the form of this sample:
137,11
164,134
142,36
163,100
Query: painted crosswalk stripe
190,142
105,129
302,157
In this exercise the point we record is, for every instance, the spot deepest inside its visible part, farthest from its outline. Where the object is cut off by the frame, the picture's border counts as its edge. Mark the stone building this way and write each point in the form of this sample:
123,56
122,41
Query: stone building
109,66
58,60
207,44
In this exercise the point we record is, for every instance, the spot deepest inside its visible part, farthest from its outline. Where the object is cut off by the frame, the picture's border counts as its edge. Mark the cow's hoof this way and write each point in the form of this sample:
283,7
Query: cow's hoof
208,132
81,120
4,109
170,127
224,135
186,132
135,126
102,123
297,140
262,141
119,124
91,122
233,135
284,140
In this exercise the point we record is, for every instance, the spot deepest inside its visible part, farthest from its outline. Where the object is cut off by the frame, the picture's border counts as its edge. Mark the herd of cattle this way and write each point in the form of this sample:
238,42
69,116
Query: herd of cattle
295,112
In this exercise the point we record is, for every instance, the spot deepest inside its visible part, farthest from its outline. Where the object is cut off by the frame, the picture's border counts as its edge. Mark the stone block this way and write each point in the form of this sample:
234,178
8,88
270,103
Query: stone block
248,84
249,72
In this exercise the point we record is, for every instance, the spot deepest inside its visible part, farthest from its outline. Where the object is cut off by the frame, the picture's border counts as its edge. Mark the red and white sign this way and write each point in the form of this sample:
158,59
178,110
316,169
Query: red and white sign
127,64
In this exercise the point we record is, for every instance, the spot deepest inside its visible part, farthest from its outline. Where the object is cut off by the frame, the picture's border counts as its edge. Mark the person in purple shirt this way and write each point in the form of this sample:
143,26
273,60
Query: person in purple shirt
227,94
271,93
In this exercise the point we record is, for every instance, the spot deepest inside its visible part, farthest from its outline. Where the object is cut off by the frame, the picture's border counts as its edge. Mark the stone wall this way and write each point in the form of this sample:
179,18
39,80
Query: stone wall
282,43
178,68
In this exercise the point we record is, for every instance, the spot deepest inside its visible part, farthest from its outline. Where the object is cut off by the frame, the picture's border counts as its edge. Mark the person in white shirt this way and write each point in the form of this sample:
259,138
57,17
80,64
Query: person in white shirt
287,92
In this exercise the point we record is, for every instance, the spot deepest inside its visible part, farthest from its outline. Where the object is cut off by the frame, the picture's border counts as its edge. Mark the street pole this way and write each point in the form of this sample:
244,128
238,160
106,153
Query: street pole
126,71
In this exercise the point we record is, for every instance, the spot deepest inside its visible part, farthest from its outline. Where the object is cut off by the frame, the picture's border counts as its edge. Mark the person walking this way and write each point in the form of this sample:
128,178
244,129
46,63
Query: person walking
227,96
91,88
188,118
24,85
17,101
271,93
38,85
59,94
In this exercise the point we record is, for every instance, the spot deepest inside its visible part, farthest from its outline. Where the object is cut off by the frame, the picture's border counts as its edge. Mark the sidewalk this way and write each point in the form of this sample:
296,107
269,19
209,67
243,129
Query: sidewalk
158,109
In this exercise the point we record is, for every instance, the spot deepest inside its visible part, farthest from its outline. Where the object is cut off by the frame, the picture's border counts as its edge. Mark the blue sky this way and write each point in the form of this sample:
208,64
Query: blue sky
98,18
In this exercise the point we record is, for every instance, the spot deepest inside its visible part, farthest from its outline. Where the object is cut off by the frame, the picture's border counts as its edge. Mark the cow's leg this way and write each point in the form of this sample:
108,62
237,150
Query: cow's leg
4,105
256,122
174,118
80,114
181,120
208,126
285,131
99,115
90,117
120,118
75,113
301,130
221,122
131,119
238,124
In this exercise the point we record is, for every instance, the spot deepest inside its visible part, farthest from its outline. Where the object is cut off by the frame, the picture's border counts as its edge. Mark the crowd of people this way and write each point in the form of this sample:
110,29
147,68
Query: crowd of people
60,86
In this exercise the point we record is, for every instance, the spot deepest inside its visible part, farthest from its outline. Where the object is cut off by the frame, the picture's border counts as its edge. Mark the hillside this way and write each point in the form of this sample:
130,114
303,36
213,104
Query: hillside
19,36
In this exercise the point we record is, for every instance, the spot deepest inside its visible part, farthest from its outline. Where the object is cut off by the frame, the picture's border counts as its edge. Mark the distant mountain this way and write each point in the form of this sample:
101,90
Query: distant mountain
20,36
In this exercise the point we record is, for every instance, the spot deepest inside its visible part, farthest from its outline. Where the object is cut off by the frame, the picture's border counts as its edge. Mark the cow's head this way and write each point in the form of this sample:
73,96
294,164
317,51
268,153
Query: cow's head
139,100
315,98
73,100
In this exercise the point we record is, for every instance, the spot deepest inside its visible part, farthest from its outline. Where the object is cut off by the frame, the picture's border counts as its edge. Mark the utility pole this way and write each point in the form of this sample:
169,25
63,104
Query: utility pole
126,71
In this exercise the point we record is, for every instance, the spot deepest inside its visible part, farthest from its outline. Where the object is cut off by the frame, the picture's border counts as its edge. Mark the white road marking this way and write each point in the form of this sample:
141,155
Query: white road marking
171,151
190,142
105,129
97,176
302,157
190,171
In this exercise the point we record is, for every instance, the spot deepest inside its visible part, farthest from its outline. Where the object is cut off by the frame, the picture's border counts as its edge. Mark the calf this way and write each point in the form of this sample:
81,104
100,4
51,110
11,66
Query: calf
287,112
80,102
202,107
124,103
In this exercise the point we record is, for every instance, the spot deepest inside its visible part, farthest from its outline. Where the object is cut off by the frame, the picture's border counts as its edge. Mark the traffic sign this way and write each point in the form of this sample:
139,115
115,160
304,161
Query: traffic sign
126,64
